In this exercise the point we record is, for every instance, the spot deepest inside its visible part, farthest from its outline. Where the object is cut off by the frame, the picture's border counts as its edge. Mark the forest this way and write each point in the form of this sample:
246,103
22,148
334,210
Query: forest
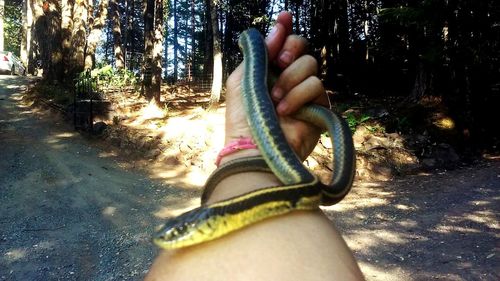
430,63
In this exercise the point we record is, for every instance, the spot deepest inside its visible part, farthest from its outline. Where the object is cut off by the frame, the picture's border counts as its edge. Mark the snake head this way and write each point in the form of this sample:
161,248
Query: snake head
178,232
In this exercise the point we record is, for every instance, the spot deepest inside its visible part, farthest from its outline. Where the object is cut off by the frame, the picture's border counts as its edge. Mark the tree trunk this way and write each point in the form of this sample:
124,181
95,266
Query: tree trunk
193,41
148,48
176,43
209,43
36,58
26,41
157,51
49,38
217,72
117,35
2,14
187,66
95,34
66,30
421,84
79,35
126,44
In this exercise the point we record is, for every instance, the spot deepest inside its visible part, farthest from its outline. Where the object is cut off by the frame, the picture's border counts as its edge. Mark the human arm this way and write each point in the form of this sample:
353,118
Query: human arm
297,246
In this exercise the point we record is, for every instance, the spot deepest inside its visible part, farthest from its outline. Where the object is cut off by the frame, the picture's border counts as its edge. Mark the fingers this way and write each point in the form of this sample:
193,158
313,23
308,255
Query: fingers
275,39
278,34
298,85
294,47
298,71
307,91
285,18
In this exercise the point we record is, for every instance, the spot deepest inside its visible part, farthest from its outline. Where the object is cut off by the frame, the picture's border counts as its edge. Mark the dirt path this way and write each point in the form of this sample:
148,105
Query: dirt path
70,211
433,226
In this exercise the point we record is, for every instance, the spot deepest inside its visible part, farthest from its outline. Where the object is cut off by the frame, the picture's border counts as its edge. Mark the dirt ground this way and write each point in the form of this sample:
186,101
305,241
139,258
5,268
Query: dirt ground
76,208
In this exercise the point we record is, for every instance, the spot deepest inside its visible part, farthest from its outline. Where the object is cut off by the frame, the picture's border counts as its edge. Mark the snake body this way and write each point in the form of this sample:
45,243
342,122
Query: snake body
301,190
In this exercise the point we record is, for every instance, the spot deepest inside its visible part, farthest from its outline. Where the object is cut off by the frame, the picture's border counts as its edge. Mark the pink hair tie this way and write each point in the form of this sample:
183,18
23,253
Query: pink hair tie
234,146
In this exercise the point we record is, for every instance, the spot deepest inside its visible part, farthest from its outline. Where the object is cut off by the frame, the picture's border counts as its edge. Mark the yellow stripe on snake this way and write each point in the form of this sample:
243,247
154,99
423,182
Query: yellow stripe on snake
301,189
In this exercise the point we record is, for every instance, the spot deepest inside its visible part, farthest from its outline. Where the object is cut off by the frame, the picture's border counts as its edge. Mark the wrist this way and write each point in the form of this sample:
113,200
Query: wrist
238,184
237,147
250,152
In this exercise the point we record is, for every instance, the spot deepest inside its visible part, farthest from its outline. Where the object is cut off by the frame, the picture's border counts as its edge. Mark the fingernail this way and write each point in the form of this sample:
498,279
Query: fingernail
282,107
277,93
286,58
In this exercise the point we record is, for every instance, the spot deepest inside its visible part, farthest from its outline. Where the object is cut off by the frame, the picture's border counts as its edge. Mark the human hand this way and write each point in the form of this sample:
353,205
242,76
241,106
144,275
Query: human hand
296,86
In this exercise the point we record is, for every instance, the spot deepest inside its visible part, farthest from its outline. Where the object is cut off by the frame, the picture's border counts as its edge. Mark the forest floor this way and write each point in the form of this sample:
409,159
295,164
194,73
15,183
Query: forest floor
102,197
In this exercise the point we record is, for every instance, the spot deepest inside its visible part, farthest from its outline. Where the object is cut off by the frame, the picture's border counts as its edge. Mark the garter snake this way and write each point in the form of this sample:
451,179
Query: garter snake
301,190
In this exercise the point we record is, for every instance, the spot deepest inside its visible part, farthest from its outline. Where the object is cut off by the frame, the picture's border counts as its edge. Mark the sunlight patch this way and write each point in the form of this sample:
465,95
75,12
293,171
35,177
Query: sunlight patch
484,217
446,229
376,273
109,211
65,135
15,254
363,241
372,195
151,111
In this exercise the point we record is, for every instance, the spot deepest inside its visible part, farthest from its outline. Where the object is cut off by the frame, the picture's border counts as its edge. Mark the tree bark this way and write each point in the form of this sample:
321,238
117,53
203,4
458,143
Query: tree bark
117,35
193,41
48,33
148,48
217,54
2,12
95,34
66,30
157,52
208,45
35,56
26,41
176,43
79,35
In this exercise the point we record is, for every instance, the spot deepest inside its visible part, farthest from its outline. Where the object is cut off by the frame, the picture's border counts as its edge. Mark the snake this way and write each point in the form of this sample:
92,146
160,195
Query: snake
300,190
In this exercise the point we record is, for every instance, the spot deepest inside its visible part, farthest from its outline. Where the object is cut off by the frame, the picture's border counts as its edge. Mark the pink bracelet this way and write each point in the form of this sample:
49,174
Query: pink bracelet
234,146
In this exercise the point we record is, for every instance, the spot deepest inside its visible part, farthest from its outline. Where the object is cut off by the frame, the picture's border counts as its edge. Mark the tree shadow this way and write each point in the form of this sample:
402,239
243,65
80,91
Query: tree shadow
423,227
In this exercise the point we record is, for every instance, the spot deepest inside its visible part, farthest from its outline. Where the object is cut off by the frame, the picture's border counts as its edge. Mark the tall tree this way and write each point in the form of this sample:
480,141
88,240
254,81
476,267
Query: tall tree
48,36
157,51
153,40
208,43
149,10
66,34
117,35
2,15
217,54
330,39
26,37
192,58
79,35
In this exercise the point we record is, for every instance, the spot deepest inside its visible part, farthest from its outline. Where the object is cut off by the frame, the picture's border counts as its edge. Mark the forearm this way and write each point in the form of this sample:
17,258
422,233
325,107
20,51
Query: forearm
296,246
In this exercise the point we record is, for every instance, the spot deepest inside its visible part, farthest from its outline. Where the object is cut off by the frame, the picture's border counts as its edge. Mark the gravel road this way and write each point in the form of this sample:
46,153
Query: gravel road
69,211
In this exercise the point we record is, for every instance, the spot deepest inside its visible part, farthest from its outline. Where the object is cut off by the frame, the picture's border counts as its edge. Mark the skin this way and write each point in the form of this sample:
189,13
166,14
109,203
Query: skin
296,246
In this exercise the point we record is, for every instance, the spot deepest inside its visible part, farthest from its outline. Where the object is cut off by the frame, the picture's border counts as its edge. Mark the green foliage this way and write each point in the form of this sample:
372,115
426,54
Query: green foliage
353,121
402,124
377,128
12,28
85,83
107,75
404,16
